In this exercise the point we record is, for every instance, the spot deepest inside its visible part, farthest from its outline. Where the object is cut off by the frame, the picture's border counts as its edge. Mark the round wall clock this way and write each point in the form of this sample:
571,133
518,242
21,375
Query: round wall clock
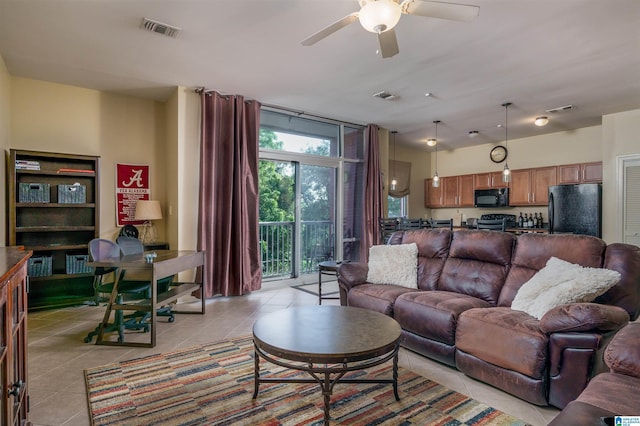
498,154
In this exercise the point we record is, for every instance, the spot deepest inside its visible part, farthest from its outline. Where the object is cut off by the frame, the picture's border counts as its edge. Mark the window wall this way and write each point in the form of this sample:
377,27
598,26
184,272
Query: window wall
311,186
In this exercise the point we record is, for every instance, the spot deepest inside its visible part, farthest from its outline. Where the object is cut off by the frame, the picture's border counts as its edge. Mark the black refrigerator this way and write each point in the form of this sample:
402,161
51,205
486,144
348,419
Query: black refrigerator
576,209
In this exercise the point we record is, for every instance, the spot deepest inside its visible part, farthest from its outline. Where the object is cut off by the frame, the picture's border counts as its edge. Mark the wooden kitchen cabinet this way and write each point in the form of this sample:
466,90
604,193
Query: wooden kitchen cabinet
530,187
489,180
14,403
454,191
465,191
580,173
432,196
449,191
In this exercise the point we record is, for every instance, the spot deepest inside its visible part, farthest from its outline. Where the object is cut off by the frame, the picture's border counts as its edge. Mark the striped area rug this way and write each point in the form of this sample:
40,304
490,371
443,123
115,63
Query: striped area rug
212,384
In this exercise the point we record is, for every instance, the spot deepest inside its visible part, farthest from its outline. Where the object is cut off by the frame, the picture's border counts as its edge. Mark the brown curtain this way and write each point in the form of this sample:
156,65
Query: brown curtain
401,171
372,210
228,212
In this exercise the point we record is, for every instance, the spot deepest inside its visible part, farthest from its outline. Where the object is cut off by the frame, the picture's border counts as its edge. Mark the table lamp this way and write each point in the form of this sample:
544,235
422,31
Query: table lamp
148,211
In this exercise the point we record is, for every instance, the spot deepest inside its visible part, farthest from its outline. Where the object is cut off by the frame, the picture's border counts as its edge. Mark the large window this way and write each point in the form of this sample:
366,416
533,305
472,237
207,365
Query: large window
311,181
396,207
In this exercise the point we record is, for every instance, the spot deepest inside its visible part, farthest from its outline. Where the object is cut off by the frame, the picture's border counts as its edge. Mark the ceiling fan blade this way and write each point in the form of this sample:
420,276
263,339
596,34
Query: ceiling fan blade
388,43
436,9
327,31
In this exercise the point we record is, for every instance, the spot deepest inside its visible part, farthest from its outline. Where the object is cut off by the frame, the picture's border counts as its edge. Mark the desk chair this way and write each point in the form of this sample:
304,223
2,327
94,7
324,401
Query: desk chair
441,223
106,249
130,245
494,225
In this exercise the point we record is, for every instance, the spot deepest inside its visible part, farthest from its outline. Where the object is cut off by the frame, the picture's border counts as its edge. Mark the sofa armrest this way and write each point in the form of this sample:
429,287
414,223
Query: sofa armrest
352,274
623,353
583,317
573,359
578,334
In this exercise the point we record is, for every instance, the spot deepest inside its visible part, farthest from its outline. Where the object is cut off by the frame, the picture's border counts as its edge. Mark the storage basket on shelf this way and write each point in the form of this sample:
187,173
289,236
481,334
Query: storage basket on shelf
72,194
77,264
33,192
39,266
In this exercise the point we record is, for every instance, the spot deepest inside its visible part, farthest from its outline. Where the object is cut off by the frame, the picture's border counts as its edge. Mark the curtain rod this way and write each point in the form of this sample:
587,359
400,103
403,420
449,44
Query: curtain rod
200,90
307,114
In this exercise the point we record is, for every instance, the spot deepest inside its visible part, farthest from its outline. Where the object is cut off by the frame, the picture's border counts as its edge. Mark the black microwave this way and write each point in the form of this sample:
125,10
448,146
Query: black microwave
495,197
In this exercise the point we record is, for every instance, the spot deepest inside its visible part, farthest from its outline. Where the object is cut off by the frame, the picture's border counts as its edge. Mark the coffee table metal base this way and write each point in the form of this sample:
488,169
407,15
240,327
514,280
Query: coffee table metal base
326,375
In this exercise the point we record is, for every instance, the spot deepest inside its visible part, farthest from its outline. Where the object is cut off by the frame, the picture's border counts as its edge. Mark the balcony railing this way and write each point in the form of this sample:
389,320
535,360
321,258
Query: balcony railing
277,247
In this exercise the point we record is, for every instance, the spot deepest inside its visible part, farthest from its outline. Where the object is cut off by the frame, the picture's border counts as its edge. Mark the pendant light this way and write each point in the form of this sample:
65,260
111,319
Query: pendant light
506,173
394,182
435,182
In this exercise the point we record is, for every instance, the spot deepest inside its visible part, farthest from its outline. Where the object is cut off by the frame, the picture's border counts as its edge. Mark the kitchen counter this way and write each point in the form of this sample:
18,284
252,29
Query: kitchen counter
516,231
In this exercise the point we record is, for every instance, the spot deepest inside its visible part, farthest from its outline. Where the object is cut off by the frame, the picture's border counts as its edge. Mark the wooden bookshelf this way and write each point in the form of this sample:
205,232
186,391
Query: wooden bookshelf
56,227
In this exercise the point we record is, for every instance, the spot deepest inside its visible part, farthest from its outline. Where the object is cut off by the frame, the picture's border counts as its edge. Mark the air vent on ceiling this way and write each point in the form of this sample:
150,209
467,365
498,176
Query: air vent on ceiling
160,28
385,95
562,108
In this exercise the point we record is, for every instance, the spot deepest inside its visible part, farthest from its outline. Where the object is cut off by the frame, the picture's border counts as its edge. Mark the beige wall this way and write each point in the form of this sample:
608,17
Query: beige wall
183,167
567,147
172,120
182,170
37,115
189,168
5,137
619,137
120,129
582,145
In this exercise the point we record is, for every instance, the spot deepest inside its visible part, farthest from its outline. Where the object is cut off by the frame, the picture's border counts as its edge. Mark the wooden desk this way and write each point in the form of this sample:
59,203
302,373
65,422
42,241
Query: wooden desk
167,263
158,245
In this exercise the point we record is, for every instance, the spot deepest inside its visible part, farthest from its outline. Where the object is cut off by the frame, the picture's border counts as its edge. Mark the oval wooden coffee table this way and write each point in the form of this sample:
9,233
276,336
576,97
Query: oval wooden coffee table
327,342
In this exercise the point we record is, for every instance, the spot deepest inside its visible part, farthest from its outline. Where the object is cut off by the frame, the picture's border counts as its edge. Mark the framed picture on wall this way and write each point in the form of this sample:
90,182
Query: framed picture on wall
132,184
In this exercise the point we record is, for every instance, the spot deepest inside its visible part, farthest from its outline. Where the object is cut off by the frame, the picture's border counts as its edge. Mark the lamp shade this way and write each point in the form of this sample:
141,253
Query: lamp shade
148,210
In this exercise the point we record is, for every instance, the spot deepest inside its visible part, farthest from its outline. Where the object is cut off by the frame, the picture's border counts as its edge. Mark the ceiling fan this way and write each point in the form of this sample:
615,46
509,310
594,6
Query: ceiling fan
381,16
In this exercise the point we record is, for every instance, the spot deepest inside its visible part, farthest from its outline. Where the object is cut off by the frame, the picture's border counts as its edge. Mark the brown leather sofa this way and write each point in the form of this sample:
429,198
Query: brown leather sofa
615,393
460,314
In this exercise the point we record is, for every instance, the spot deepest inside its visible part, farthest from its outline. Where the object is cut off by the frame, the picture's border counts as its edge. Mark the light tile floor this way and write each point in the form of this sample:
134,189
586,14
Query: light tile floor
58,356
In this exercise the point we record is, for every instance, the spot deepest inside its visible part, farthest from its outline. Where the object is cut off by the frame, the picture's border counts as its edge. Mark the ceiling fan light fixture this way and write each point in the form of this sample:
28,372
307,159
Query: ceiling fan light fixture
473,134
378,16
541,121
431,142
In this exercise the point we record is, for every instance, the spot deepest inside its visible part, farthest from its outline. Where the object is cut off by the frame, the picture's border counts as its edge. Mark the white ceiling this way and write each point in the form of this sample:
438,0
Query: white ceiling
538,54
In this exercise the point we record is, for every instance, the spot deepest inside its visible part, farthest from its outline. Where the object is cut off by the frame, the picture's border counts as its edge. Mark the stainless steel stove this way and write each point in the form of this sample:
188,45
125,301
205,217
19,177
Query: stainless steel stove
511,218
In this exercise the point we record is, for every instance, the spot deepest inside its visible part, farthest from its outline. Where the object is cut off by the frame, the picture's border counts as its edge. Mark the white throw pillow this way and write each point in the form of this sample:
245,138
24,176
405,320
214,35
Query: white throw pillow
561,282
394,264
